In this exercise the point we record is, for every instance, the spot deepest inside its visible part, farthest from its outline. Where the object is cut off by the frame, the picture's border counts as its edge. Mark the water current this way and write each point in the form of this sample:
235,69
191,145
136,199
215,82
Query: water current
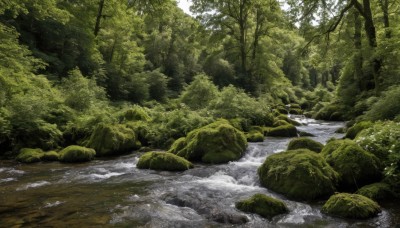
113,192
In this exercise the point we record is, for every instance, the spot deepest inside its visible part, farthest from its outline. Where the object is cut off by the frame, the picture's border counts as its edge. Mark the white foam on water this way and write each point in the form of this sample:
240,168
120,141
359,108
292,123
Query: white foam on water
125,165
34,185
7,180
220,180
54,204
104,176
15,171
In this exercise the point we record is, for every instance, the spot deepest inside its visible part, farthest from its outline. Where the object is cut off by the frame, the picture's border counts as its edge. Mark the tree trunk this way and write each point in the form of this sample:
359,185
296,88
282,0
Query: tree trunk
98,18
385,9
357,58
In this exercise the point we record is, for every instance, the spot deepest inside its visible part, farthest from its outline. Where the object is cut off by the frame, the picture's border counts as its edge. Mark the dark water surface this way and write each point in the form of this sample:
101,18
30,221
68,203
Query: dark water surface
113,192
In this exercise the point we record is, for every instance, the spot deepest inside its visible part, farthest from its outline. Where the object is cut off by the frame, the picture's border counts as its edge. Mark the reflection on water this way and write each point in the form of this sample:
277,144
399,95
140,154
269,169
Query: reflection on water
113,192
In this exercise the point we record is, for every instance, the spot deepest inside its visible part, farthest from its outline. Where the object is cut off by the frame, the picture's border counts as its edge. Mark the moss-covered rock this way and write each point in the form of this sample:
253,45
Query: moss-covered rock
357,128
305,143
287,119
28,155
298,174
112,140
295,106
283,131
50,156
76,154
163,161
295,111
355,166
218,142
376,191
254,136
282,110
262,205
279,122
331,146
353,206
329,112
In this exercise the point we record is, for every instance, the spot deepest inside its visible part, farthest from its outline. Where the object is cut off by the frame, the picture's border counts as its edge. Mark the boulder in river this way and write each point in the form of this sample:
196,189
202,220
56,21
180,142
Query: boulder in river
353,206
163,161
305,143
29,155
357,128
112,140
377,191
76,154
218,142
355,166
262,205
254,136
298,174
50,156
283,131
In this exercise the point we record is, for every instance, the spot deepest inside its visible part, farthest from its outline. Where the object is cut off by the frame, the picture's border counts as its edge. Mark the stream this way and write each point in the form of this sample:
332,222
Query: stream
113,192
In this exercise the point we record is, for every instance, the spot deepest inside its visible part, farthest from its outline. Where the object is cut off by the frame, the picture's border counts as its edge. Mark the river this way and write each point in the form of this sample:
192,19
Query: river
113,192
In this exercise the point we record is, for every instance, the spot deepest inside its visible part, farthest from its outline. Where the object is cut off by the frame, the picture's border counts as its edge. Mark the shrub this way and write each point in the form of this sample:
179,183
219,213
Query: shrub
357,128
158,85
163,161
305,143
218,142
136,113
298,174
262,205
353,206
76,154
387,106
199,93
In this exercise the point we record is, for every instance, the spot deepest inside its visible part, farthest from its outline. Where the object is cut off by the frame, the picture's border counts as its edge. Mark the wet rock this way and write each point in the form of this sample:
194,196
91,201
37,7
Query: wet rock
283,131
262,205
305,143
218,142
28,155
163,161
76,154
376,191
353,206
227,218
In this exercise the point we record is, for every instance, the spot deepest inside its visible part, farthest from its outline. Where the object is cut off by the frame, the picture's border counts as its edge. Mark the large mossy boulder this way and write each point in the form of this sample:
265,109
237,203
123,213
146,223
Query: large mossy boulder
299,174
50,156
352,206
262,205
76,154
283,131
287,119
163,161
29,155
355,166
376,191
112,140
305,143
218,142
254,136
357,128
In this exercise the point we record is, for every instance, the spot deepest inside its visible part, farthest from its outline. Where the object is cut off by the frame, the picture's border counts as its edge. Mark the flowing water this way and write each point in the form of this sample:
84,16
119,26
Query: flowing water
113,192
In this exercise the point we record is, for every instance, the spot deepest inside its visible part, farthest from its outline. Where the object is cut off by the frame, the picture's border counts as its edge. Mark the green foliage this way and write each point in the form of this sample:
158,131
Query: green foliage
387,107
218,142
355,166
254,136
28,155
262,205
234,103
112,140
352,206
298,174
305,143
136,113
382,140
163,161
158,83
199,93
76,154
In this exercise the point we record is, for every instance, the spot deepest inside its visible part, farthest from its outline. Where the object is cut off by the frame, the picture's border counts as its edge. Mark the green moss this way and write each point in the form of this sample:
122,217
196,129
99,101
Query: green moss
353,206
163,161
295,106
112,140
218,142
283,131
298,174
240,123
28,155
254,136
305,143
76,154
279,122
143,131
136,113
331,146
376,191
50,156
329,112
356,166
357,128
287,119
262,205
282,110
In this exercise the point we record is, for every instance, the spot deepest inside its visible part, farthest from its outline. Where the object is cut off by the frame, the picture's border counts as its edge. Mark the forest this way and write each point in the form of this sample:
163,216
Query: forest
97,79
